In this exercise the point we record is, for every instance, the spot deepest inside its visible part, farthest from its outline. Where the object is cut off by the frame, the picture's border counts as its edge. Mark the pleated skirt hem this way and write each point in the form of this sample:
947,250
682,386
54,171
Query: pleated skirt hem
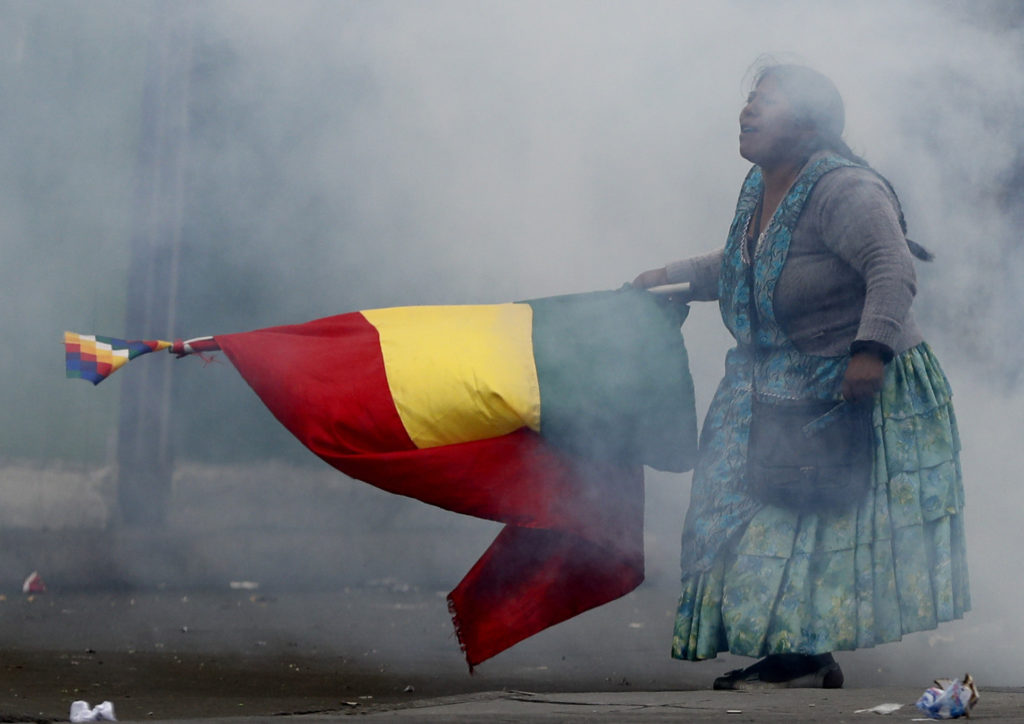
818,582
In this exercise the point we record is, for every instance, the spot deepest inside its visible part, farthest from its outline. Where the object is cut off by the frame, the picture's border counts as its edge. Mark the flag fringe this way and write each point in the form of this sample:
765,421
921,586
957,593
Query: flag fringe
457,625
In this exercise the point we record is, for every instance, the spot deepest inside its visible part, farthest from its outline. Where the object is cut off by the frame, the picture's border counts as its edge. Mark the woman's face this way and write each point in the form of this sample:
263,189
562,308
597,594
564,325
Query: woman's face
770,134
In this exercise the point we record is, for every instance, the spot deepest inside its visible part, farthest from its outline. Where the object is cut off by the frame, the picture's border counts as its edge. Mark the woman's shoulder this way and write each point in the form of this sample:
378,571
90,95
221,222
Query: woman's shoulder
853,204
851,193
851,184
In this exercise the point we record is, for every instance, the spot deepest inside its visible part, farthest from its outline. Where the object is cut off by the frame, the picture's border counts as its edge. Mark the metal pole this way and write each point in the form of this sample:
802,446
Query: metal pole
145,457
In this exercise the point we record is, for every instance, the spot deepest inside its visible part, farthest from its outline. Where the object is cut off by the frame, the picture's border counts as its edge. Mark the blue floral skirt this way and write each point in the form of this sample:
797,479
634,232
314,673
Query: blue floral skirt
820,582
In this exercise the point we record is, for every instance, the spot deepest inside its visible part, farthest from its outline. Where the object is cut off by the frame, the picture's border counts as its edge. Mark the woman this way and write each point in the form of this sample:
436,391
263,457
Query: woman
815,283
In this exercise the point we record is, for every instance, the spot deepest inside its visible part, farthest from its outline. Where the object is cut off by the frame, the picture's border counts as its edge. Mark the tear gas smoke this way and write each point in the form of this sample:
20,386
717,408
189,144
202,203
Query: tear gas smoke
347,155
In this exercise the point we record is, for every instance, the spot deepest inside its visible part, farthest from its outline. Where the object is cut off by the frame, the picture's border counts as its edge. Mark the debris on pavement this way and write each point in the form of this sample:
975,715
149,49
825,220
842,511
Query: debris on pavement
392,585
949,699
244,585
880,709
81,712
33,584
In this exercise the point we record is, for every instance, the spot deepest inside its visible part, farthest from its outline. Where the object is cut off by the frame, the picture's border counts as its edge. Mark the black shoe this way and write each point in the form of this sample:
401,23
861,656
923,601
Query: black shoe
735,679
785,671
827,676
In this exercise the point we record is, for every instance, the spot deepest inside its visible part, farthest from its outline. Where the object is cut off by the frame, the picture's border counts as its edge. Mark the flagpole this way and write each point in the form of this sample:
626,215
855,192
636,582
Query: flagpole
666,289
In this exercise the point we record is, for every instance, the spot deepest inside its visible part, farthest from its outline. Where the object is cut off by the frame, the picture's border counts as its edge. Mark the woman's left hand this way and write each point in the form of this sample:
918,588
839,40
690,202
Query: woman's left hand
863,376
651,278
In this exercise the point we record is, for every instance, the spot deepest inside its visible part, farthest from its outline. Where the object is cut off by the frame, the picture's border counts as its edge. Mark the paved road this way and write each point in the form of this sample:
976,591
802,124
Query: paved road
385,651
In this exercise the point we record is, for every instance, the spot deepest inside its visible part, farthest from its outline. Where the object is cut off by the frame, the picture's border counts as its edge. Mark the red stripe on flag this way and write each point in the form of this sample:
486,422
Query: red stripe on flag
574,538
324,380
530,579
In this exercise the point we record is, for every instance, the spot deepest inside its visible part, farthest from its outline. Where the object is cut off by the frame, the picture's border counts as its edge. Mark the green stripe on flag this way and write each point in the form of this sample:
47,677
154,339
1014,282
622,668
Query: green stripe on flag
614,378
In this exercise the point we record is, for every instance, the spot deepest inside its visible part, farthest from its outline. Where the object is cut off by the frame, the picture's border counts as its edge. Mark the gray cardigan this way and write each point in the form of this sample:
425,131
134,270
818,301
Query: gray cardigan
849,274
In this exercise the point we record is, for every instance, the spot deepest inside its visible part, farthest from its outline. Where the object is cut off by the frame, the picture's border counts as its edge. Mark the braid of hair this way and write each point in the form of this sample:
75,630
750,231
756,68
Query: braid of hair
838,145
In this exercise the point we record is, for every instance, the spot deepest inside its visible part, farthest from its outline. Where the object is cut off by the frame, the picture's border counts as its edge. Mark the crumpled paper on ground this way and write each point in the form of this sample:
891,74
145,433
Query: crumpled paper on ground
880,709
80,711
949,699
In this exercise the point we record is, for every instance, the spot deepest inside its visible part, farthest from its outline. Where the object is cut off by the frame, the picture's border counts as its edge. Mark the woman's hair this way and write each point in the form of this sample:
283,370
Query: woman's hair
817,104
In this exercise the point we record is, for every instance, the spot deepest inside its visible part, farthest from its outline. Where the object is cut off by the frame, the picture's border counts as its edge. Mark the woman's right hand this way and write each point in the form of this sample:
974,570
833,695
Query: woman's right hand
651,278
864,376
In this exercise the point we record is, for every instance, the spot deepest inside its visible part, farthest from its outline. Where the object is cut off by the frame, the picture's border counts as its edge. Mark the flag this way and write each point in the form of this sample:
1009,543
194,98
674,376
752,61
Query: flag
536,414
94,358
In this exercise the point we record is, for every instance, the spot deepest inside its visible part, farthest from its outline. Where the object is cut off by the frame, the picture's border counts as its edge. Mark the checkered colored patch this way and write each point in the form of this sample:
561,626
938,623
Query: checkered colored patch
94,358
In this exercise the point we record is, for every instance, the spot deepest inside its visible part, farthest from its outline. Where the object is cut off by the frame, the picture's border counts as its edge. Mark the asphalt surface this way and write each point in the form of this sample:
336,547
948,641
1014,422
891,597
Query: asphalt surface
338,610
385,651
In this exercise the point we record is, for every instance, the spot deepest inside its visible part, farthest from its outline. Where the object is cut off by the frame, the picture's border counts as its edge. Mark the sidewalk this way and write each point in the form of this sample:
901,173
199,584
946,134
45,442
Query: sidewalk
797,705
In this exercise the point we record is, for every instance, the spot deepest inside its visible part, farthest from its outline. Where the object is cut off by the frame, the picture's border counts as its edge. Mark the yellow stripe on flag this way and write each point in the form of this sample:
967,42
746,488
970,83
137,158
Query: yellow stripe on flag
460,373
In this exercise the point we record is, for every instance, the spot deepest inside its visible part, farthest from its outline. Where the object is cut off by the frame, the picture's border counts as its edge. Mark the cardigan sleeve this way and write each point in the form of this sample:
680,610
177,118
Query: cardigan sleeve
859,224
701,272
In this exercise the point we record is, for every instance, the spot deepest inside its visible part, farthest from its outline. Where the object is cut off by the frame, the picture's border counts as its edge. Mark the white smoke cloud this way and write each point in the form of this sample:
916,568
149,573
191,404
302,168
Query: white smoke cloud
458,151
494,151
